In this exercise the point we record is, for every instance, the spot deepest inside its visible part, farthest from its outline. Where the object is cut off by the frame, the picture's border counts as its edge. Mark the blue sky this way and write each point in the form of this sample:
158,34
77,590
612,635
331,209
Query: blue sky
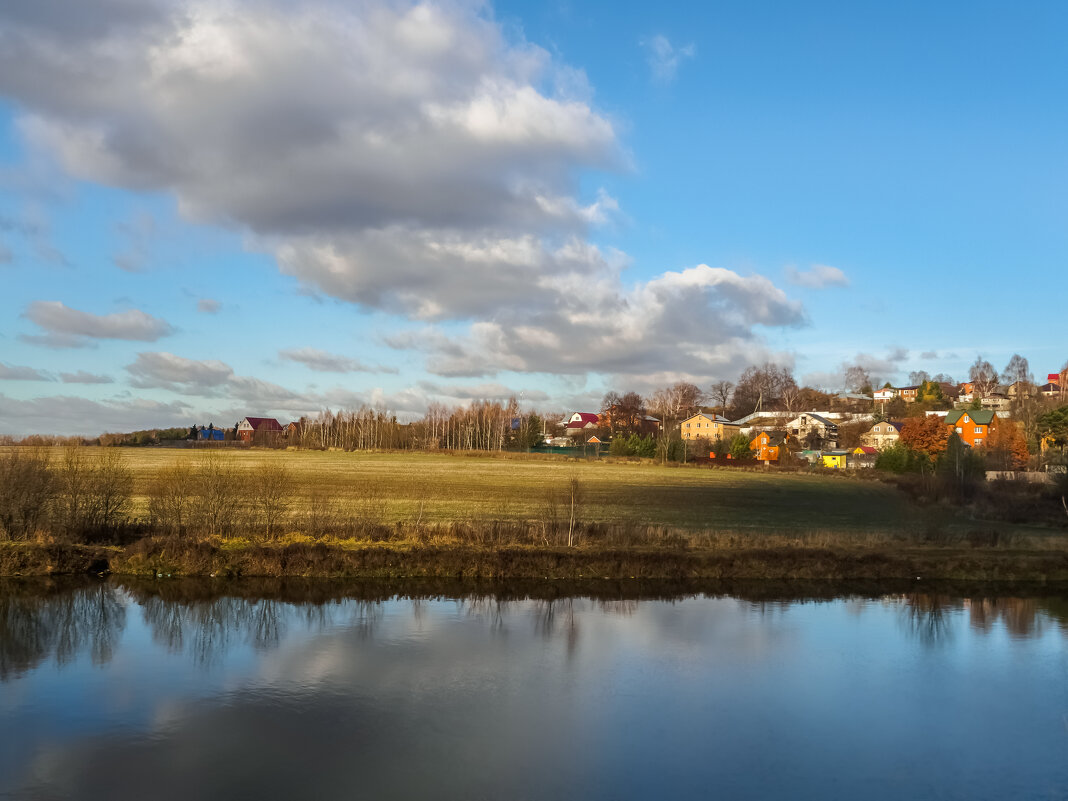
218,210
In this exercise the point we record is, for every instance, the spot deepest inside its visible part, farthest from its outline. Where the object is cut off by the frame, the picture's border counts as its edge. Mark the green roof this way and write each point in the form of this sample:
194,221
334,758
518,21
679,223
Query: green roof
980,416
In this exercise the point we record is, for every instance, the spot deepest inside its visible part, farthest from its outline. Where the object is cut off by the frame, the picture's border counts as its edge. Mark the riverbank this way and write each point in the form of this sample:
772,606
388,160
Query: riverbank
166,557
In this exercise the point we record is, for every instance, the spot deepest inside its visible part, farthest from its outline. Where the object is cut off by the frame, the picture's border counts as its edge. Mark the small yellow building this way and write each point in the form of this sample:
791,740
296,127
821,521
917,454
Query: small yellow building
837,460
709,426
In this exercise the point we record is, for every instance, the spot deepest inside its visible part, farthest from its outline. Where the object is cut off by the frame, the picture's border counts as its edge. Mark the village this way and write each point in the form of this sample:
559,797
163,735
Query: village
849,433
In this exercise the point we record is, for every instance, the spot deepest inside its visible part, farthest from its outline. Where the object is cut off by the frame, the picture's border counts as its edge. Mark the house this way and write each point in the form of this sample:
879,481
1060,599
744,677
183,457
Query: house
580,421
863,456
594,440
836,460
1050,390
292,430
882,435
997,401
810,424
973,425
908,394
885,394
257,428
210,434
708,426
767,446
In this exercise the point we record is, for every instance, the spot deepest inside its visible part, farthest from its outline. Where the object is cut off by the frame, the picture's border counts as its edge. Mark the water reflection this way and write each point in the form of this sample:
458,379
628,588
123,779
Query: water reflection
599,690
41,621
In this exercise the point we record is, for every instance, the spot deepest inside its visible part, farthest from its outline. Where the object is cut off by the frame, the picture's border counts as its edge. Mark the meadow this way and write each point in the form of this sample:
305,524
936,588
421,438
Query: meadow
433,488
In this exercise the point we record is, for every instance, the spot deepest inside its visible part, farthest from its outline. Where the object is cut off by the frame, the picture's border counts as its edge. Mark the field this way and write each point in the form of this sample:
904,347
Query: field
440,488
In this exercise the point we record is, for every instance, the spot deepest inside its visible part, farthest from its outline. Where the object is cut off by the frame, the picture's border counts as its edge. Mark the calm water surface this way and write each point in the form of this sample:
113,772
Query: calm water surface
198,690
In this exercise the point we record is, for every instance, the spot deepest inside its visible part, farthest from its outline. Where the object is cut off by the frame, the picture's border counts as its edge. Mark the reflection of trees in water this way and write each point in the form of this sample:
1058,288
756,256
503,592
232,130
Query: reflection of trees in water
211,628
490,608
557,615
927,617
35,627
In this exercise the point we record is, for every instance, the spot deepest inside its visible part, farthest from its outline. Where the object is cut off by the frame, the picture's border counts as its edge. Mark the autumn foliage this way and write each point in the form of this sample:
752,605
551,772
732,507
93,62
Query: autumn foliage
1007,444
928,435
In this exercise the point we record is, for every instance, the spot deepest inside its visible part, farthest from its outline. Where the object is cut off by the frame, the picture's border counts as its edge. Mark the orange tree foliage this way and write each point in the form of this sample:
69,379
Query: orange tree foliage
1008,446
927,434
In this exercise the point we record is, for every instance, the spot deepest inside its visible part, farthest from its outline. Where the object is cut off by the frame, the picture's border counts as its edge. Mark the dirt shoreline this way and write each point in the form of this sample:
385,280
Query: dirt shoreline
401,561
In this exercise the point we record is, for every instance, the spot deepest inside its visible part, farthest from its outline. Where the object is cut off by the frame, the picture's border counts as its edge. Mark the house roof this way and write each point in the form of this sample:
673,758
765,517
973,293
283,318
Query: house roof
867,450
715,418
820,419
980,416
836,453
1050,387
774,437
584,418
263,423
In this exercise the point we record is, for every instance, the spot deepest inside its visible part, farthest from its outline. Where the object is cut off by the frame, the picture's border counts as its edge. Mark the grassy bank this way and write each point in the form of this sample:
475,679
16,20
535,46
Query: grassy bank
168,557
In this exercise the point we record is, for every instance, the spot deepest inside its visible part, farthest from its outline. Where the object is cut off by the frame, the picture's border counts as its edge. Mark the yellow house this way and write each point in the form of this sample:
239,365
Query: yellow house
837,460
708,426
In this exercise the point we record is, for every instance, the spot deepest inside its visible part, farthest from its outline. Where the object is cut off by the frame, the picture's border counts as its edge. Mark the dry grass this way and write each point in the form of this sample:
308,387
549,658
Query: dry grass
391,488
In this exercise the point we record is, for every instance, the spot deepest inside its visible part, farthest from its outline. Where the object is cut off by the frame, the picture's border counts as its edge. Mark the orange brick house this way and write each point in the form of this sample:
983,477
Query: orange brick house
973,425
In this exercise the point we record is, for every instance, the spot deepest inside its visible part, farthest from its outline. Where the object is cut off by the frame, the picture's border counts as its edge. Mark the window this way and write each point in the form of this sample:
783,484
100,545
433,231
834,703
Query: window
978,430
978,441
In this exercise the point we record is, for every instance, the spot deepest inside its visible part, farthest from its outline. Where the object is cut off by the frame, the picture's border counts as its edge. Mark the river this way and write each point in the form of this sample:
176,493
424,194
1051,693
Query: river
178,689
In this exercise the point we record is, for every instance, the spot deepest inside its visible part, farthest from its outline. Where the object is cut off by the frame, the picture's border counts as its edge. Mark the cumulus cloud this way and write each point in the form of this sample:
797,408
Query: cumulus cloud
819,276
324,362
67,327
411,158
70,415
208,306
489,391
82,377
10,372
664,58
700,321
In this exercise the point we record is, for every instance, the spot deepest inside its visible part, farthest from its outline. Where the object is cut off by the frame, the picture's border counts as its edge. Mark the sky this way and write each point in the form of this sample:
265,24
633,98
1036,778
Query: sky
217,209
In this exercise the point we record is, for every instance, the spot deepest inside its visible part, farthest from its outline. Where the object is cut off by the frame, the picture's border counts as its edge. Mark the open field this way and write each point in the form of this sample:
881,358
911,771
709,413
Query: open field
443,488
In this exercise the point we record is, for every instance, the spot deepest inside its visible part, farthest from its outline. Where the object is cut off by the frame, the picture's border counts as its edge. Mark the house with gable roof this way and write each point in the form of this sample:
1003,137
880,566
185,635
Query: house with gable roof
258,427
973,425
708,426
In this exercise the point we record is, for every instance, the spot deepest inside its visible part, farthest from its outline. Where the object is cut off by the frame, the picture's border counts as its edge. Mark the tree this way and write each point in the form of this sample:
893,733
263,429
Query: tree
761,388
676,402
170,498
917,377
574,499
857,379
1007,448
983,377
271,495
1017,371
739,448
27,482
927,434
1053,427
722,392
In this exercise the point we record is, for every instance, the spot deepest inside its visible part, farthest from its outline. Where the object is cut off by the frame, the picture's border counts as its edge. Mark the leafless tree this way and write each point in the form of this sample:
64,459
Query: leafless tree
984,377
722,392
574,495
271,495
170,498
27,482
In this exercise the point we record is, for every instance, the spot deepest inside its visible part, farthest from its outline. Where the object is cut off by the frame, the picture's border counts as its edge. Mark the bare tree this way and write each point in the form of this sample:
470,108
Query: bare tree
271,495
170,498
722,392
917,377
574,496
983,377
857,378
1017,371
27,482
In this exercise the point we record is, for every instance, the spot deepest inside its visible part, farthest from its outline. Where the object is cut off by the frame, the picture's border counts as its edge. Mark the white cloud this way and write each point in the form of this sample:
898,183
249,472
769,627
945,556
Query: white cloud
208,306
405,157
819,276
69,415
67,327
9,372
664,58
324,362
82,377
